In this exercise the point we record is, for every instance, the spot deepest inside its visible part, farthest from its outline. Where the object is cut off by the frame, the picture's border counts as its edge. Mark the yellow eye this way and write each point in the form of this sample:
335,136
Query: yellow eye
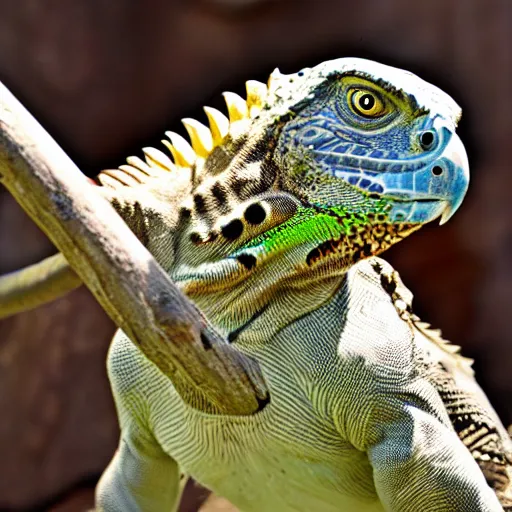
366,103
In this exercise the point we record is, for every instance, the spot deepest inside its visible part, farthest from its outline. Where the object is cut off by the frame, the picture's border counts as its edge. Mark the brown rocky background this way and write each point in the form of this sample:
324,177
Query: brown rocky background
108,76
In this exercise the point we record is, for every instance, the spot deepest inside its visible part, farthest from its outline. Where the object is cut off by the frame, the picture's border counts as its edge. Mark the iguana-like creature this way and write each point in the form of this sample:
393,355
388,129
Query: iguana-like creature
270,222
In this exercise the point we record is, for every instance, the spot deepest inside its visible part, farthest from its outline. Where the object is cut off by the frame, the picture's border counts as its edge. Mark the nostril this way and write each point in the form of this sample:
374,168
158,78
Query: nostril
437,170
427,139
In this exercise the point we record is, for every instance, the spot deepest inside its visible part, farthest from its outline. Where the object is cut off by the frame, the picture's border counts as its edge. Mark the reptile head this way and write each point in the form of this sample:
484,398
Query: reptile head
371,149
371,131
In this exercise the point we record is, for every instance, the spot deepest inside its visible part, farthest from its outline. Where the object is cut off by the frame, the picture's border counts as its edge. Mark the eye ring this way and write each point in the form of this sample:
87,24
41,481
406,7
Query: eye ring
366,103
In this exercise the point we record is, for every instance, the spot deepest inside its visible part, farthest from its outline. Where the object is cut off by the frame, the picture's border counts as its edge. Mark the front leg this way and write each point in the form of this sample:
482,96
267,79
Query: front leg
420,464
391,408
140,478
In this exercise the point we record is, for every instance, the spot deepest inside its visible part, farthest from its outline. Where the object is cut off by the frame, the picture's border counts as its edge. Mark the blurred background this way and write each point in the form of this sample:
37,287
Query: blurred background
107,77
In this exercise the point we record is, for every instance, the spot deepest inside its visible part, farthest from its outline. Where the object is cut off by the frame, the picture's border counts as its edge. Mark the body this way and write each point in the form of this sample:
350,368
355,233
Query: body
338,382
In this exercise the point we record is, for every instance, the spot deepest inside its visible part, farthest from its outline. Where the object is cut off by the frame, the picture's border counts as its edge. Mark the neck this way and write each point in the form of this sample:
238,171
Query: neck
250,316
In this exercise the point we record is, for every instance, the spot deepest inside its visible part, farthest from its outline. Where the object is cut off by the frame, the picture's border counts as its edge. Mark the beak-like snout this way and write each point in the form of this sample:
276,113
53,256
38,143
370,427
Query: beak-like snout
454,162
434,191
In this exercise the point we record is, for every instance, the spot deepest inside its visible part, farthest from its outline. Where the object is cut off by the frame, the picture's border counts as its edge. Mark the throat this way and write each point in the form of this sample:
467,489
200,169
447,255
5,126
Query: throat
251,314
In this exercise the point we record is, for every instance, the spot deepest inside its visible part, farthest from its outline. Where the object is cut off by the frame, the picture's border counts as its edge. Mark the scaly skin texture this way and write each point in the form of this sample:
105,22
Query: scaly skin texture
270,223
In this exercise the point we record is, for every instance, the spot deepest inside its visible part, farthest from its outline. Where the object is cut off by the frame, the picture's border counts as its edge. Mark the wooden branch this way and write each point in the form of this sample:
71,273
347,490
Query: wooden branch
124,277
35,285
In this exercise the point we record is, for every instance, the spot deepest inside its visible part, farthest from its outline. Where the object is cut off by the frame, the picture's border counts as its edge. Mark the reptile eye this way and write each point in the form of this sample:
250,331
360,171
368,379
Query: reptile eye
366,103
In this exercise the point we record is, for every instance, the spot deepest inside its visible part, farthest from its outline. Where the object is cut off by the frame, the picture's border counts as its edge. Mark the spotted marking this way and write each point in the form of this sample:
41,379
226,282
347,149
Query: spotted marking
255,214
233,229
247,260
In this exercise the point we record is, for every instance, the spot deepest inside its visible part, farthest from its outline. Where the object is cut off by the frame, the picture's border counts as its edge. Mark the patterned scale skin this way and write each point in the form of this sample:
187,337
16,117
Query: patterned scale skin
270,222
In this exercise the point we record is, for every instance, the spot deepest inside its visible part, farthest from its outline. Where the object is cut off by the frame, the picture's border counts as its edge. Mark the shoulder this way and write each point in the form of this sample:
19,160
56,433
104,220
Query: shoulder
133,379
126,365
376,329
380,362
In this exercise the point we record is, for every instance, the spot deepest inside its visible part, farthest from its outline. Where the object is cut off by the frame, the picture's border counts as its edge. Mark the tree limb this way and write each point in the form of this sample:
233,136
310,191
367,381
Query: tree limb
124,277
36,285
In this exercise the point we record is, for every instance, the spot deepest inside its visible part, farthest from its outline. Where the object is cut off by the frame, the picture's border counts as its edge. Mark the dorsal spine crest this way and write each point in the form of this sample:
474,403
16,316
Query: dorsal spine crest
203,140
219,125
200,137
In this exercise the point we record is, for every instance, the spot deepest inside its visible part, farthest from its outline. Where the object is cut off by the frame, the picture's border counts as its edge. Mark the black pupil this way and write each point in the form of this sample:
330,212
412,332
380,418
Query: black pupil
427,138
367,102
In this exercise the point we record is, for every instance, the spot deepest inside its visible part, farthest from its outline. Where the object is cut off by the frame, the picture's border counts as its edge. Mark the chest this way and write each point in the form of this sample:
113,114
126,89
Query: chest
285,458
290,456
